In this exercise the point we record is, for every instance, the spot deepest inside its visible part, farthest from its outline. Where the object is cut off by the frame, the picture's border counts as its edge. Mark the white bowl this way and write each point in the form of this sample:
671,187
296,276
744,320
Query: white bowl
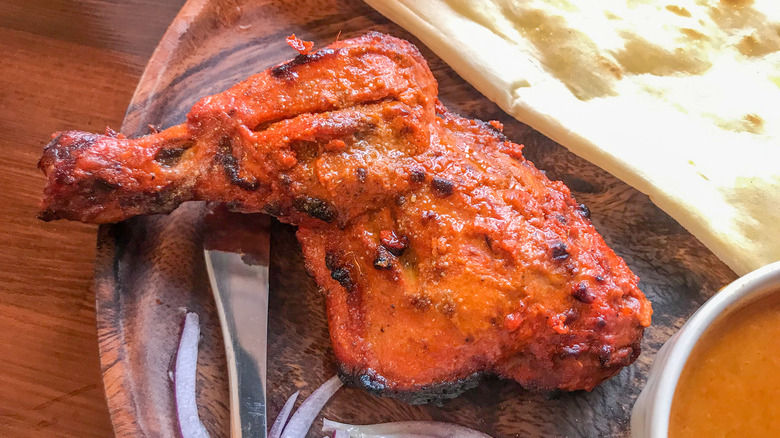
650,416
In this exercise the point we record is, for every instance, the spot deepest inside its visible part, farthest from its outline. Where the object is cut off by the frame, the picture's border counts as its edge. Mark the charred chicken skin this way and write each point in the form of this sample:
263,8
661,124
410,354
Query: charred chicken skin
443,253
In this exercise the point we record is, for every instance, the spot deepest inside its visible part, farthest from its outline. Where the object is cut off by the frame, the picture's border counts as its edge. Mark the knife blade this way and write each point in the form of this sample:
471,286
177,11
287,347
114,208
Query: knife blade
239,282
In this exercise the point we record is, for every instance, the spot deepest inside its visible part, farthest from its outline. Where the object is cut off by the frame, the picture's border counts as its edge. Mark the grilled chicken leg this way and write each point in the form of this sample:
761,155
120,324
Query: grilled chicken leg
443,253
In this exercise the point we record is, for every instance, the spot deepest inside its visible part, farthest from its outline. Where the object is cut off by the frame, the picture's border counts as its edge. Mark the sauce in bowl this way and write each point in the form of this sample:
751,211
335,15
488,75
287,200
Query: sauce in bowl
730,385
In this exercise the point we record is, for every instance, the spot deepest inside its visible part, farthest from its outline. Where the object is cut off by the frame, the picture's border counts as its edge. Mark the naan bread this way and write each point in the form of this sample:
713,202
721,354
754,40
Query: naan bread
680,99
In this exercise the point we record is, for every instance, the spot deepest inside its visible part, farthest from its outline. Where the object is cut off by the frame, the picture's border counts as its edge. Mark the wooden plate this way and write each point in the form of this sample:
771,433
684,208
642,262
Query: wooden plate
151,268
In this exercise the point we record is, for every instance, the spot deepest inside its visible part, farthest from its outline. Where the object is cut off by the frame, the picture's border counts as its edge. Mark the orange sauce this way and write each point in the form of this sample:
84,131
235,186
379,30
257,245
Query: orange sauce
730,385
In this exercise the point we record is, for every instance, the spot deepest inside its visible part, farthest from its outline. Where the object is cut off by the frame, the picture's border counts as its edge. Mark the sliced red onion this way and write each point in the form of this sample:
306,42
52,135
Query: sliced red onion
184,380
303,418
284,414
404,429
341,434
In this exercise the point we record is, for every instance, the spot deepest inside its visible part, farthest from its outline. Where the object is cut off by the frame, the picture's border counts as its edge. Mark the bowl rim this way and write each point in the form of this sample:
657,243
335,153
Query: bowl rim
739,293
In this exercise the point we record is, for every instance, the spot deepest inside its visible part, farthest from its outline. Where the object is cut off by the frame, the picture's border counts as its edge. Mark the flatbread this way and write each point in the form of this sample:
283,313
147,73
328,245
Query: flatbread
679,99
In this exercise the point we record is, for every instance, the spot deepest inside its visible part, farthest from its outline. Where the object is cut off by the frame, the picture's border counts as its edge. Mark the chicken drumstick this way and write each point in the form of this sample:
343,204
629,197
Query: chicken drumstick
443,253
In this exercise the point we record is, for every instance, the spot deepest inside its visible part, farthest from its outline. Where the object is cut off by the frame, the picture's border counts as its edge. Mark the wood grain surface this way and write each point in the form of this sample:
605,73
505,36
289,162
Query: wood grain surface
151,269
74,65
63,65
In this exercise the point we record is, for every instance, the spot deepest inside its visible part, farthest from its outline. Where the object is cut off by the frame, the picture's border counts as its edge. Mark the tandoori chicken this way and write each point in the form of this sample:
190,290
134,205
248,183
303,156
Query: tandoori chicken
443,253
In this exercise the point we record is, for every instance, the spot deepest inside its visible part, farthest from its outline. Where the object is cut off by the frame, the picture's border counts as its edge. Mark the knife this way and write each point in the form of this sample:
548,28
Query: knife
239,281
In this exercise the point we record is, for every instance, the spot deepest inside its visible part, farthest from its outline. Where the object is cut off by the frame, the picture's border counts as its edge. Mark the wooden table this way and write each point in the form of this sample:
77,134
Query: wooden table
64,64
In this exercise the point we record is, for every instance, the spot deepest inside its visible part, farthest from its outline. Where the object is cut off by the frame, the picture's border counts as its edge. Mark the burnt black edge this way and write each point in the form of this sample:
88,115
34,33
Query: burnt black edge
435,393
